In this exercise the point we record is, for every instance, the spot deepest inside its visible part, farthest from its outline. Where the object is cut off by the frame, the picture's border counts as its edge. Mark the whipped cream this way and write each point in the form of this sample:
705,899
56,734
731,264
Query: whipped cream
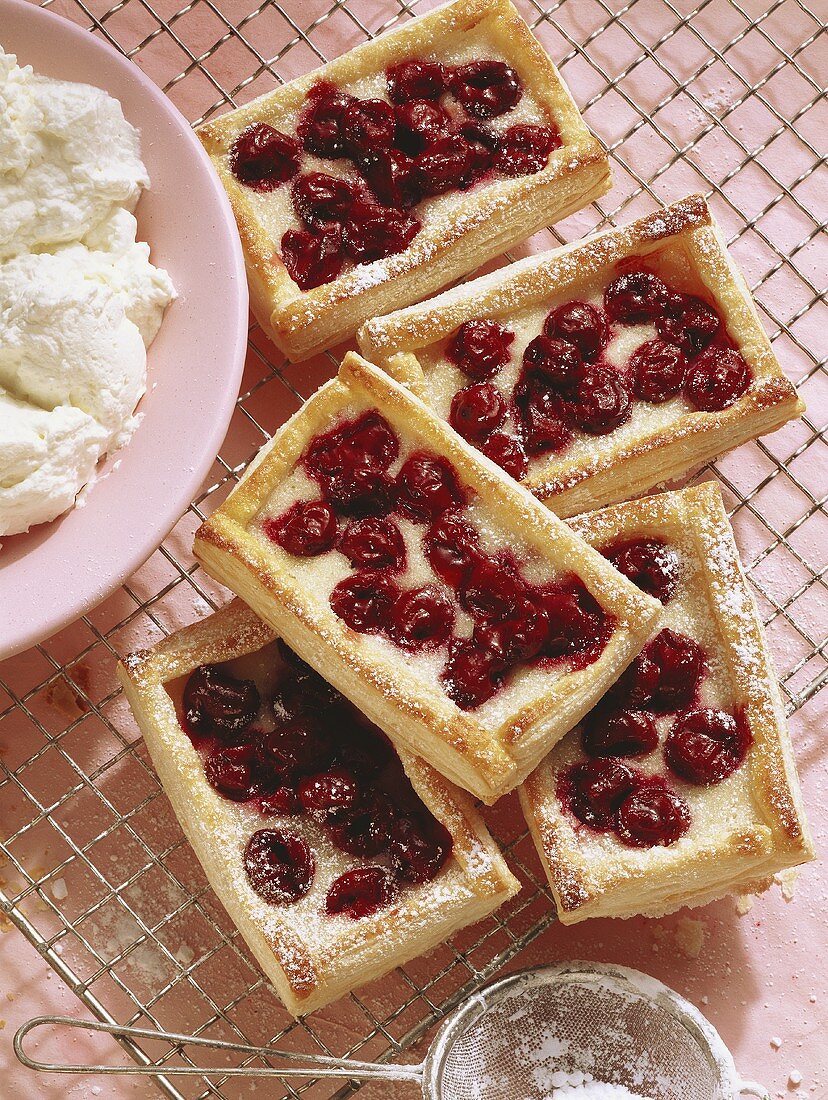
80,301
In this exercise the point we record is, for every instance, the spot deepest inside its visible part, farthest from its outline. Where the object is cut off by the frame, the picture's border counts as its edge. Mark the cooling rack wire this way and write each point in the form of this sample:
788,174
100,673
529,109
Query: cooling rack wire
724,98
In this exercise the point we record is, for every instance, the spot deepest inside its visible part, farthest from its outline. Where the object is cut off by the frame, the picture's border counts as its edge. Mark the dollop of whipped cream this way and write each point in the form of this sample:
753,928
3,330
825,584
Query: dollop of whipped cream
80,301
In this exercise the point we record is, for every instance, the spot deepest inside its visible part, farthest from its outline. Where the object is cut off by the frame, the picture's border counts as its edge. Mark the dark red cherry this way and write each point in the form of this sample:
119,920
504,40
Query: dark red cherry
365,830
491,589
446,165
716,378
374,544
297,746
479,348
594,789
374,232
262,158
230,771
508,452
279,865
319,199
320,124
577,623
312,259
652,815
451,547
419,848
421,618
483,144
553,362
601,401
619,733
415,80
361,491
544,417
367,441
389,174
657,371
705,746
665,675
518,635
471,674
419,125
691,325
281,802
362,747
581,324
368,126
328,792
649,563
219,704
306,529
427,486
636,297
364,600
360,893
485,88
477,410
523,150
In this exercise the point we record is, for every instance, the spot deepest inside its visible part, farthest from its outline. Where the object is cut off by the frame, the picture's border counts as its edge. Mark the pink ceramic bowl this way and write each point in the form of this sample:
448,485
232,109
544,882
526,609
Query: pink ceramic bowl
59,570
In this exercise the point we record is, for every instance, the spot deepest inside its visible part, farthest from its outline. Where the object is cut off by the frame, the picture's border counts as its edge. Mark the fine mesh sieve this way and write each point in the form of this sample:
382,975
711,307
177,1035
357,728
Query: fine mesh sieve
519,1038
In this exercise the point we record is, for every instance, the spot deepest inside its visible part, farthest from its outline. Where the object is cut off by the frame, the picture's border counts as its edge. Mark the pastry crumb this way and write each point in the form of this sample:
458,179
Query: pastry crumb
744,904
794,1079
59,889
787,882
690,936
775,1042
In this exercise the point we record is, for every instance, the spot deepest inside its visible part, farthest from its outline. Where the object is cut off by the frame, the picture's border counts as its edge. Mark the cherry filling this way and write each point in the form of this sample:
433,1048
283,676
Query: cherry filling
508,452
320,124
480,348
577,625
374,544
657,370
652,815
619,733
321,760
367,441
373,232
419,125
691,324
486,88
518,635
471,675
649,563
279,865
544,419
452,547
491,589
581,324
666,674
636,297
523,150
553,362
363,601
421,618
593,791
705,746
319,199
308,528
361,892
218,704
312,259
477,410
263,158
601,401
390,175
415,79
368,125
716,379
427,486
446,165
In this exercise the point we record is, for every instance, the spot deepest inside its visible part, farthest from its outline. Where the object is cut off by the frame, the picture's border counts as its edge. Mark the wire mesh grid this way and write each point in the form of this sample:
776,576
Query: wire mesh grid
723,97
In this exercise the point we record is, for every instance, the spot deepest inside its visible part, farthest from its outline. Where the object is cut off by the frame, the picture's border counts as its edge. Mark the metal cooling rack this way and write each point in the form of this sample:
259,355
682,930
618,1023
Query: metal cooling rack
724,98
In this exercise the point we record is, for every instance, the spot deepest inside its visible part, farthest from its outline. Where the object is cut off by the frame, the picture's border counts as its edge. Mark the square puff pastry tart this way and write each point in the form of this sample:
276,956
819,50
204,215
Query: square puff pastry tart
622,360
462,223
310,956
443,545
721,811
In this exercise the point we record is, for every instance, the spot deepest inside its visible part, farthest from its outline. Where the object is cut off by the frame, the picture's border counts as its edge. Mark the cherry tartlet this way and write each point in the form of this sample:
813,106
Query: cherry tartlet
432,135
303,753
514,622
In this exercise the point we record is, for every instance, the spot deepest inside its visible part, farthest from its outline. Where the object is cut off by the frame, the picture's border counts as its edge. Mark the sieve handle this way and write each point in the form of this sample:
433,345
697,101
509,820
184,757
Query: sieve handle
751,1088
305,1065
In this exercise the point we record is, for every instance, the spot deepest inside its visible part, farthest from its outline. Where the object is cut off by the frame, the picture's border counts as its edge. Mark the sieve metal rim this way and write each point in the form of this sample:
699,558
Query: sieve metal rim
632,981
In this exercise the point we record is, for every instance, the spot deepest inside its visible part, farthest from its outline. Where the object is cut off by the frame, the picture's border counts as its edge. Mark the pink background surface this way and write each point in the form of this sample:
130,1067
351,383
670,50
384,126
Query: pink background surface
759,977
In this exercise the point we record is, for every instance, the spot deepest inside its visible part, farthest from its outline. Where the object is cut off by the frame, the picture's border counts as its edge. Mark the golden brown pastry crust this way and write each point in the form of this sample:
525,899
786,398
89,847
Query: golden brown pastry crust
307,972
488,222
655,456
745,854
417,714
